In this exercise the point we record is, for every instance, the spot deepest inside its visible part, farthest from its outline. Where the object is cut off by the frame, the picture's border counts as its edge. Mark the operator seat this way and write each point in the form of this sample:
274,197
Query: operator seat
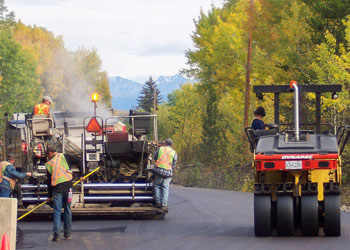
254,136
249,131
41,125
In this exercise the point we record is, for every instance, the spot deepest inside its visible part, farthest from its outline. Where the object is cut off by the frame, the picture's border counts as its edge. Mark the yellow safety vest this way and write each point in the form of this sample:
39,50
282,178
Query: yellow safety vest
58,167
41,109
165,158
3,166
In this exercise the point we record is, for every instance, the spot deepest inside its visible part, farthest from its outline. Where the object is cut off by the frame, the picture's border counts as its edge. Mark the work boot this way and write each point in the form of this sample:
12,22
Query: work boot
56,238
158,205
67,236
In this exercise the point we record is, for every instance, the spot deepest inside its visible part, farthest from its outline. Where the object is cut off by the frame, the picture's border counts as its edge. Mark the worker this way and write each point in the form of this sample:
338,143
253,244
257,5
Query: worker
43,108
259,127
165,158
9,176
258,123
60,185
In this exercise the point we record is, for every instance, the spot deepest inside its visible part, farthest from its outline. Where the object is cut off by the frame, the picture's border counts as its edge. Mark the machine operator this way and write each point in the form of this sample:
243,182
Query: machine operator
258,123
44,107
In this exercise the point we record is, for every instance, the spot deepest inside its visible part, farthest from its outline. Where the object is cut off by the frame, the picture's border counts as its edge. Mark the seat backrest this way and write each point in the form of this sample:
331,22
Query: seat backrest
41,125
142,125
251,138
262,132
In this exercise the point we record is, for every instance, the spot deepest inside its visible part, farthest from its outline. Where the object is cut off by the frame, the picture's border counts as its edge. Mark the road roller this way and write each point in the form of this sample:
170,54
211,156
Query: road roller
297,168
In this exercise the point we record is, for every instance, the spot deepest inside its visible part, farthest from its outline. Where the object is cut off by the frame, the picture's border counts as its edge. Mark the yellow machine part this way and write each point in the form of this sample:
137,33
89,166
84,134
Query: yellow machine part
299,177
321,176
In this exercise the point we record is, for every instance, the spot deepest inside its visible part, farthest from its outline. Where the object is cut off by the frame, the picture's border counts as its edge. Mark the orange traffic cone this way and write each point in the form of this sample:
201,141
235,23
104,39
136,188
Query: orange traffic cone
5,244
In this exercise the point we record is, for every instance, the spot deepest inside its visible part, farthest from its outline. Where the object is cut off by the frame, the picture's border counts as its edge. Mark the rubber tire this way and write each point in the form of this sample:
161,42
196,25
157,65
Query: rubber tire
285,215
331,205
262,216
309,215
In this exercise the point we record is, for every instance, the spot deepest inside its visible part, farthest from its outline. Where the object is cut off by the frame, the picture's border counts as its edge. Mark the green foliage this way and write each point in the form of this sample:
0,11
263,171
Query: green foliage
298,40
146,99
218,61
185,116
165,128
19,87
34,62
328,16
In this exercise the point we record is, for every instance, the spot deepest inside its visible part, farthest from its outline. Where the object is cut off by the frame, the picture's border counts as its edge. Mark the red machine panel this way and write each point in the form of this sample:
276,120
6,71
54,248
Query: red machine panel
295,162
117,136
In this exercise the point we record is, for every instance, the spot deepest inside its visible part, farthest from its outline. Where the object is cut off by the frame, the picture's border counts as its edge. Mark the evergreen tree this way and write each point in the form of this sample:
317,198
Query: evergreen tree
146,99
6,18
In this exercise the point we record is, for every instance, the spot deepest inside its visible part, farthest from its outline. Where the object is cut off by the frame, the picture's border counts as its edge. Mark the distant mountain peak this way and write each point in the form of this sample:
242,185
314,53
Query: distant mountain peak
125,92
170,78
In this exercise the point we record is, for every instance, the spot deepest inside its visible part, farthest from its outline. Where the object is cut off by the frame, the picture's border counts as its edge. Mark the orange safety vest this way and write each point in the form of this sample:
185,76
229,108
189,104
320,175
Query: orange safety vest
165,158
41,109
58,167
3,166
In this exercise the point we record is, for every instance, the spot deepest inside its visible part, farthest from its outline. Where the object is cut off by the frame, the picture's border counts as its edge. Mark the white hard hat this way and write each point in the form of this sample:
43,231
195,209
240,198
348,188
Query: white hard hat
48,98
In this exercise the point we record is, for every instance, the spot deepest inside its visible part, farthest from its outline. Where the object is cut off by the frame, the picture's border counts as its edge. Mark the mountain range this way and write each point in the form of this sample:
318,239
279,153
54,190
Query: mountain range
125,92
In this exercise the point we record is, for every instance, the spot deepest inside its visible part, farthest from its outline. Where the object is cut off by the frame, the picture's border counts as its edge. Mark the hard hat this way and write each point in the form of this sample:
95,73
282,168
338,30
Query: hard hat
48,98
169,142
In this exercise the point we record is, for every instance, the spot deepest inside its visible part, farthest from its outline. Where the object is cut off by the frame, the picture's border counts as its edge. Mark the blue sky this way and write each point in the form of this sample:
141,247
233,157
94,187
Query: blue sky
134,38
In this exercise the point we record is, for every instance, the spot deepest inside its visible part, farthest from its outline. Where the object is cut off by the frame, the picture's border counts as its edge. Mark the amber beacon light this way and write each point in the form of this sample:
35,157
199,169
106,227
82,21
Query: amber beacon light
94,97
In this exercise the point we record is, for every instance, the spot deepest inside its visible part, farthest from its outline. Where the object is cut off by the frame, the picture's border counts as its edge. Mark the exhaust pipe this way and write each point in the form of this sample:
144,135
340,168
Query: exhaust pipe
296,109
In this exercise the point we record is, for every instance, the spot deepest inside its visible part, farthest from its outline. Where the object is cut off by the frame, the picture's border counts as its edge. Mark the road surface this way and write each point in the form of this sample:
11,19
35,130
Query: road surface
197,219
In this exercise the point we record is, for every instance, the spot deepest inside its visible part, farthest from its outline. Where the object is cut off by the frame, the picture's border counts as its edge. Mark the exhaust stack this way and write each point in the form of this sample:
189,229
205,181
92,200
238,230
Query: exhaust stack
296,108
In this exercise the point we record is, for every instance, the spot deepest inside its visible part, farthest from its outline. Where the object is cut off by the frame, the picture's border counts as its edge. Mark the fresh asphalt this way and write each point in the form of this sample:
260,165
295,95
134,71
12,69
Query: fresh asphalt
197,219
